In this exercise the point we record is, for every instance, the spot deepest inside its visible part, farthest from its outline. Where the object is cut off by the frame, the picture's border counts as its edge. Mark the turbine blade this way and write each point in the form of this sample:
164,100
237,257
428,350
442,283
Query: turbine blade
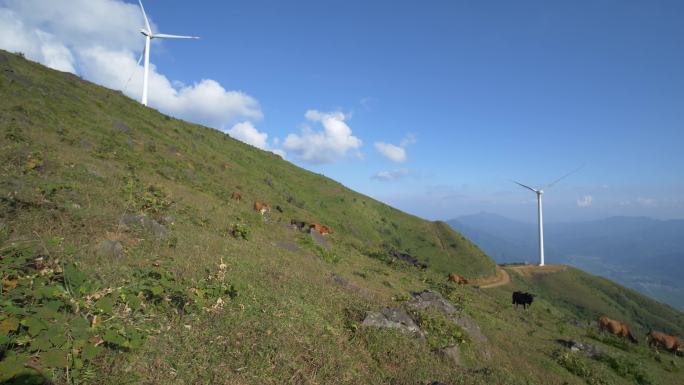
564,176
142,54
522,185
147,22
167,36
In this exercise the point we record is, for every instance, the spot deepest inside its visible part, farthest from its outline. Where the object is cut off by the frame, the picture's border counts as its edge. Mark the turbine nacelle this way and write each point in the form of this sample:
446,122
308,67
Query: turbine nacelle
145,32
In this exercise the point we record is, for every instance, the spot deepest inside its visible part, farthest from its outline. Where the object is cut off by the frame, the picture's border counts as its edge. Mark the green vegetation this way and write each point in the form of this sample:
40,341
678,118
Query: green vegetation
123,259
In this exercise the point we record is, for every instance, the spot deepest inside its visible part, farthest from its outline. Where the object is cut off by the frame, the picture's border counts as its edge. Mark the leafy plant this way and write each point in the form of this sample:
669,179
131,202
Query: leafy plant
626,368
239,231
440,332
575,364
150,199
54,316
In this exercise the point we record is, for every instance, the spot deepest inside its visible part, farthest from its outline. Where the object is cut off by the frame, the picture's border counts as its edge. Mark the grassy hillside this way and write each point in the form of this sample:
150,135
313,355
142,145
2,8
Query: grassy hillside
124,259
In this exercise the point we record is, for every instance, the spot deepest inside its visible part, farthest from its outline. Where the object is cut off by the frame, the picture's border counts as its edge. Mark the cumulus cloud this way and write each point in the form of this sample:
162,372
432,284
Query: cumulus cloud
246,132
386,176
585,201
100,40
393,152
319,147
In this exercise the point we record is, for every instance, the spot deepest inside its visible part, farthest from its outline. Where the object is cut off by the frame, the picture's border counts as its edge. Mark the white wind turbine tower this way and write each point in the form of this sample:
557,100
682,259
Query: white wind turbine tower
539,193
147,32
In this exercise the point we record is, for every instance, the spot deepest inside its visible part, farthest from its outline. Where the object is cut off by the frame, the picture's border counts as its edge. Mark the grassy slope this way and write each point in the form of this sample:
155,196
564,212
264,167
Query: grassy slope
590,296
65,171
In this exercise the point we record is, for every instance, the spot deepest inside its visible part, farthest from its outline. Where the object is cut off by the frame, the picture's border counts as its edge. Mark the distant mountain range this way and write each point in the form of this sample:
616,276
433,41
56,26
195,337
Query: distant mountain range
643,253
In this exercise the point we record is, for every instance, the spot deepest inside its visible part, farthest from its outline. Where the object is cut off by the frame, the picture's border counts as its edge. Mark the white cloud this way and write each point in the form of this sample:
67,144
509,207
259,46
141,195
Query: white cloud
585,201
408,140
246,132
100,40
386,176
391,152
318,147
35,44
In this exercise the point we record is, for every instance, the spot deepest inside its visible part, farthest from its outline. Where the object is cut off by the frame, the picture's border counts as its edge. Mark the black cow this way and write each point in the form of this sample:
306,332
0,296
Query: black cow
280,209
520,298
299,225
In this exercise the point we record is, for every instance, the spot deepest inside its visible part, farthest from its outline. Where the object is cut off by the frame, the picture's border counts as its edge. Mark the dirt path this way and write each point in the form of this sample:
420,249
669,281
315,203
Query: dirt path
501,278
530,270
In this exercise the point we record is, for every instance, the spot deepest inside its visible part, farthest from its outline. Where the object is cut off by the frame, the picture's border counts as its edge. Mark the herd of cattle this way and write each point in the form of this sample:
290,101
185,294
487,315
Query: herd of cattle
655,339
263,208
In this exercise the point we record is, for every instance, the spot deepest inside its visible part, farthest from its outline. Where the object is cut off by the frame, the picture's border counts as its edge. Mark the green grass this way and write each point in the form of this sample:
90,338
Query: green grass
76,157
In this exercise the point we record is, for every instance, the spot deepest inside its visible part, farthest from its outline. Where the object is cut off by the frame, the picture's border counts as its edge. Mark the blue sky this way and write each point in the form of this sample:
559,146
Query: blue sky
480,93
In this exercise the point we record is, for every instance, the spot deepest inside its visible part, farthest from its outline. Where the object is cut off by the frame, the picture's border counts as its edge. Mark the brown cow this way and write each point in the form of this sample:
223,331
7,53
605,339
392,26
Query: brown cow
236,196
617,328
262,207
457,279
322,229
666,341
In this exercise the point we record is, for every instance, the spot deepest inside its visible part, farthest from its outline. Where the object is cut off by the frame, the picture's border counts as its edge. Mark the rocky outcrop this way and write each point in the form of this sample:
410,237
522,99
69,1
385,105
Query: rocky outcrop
428,299
110,249
142,221
589,350
395,318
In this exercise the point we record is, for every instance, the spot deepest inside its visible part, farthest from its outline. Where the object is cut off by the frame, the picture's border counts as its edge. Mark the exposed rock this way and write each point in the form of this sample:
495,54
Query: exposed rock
287,245
395,318
119,125
344,283
408,259
453,353
167,220
319,239
590,350
143,221
110,249
428,299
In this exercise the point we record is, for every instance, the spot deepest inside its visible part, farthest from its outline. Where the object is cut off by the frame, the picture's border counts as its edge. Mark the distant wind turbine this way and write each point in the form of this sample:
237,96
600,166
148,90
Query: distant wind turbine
147,32
539,193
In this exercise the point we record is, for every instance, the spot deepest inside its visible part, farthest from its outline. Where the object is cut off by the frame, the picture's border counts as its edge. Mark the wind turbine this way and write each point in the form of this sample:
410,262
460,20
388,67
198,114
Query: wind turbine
539,193
147,32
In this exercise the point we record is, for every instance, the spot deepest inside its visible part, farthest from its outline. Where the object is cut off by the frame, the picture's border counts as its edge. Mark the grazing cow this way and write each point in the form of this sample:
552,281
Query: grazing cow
616,328
236,196
322,229
279,209
299,225
666,341
521,298
457,279
262,207
409,259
